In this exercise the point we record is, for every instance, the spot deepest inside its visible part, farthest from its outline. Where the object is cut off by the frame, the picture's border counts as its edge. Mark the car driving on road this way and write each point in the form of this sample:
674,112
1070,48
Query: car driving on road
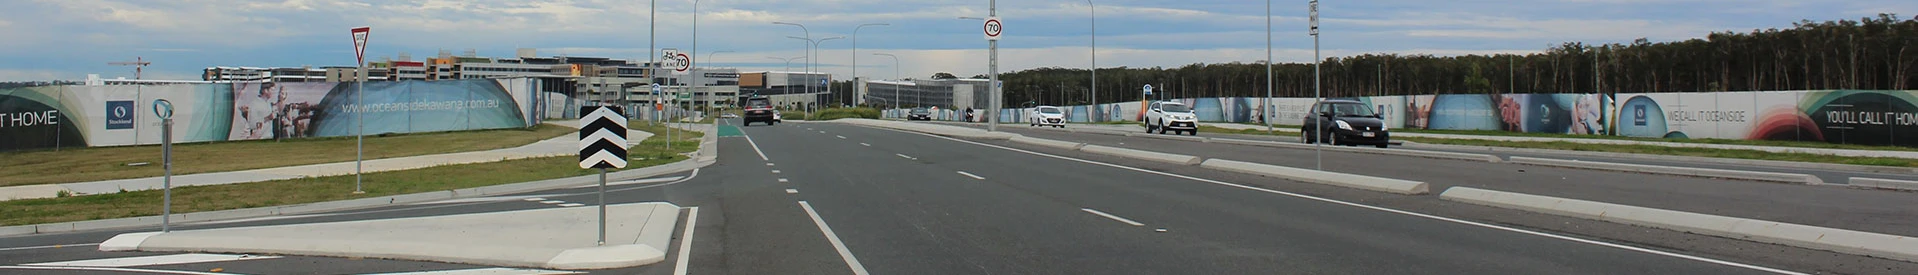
1345,122
1171,116
1047,116
760,109
919,114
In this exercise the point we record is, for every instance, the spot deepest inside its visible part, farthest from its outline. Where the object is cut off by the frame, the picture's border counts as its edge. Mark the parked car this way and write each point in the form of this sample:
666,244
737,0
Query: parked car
1171,116
760,109
1345,122
1047,116
919,114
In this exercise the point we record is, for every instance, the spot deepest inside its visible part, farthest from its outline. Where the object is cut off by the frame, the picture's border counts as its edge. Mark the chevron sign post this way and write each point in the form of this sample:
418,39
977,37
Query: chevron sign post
602,141
602,144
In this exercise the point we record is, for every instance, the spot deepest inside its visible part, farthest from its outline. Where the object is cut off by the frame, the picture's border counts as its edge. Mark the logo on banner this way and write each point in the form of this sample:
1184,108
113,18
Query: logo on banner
1638,115
119,115
602,141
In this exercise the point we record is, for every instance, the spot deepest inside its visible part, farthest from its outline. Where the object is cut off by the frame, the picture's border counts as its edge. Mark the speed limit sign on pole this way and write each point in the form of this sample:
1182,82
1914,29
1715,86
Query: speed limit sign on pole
993,28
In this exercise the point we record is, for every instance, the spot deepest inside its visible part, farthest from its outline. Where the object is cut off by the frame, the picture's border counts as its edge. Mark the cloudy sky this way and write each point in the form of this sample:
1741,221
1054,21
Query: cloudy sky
67,39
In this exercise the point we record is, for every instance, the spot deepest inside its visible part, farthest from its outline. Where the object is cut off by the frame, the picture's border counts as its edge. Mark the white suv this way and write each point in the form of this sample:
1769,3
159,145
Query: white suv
1174,116
1047,116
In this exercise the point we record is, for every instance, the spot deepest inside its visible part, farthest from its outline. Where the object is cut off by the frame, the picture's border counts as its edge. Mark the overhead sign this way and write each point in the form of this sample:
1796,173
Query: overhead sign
360,35
1148,89
993,28
602,139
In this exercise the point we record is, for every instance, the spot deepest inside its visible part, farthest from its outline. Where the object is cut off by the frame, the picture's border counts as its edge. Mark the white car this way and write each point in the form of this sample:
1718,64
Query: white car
1171,116
1047,116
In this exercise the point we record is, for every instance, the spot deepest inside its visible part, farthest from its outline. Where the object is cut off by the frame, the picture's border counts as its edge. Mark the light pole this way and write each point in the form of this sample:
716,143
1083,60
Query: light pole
1316,96
813,50
1095,60
709,95
855,49
808,54
992,69
827,87
895,75
695,68
1265,103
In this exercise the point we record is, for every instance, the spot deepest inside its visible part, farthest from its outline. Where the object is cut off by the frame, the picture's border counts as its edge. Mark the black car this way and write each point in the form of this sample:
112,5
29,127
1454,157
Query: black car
760,109
919,114
1345,122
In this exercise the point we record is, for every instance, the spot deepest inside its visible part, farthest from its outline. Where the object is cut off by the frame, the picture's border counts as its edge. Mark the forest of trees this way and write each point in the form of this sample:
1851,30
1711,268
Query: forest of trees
1876,53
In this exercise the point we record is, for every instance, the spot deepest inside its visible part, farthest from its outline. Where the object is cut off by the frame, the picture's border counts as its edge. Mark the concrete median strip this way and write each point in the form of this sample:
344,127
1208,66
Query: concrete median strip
1395,186
1885,184
1395,152
1048,143
1838,240
1140,154
1170,137
560,238
1672,170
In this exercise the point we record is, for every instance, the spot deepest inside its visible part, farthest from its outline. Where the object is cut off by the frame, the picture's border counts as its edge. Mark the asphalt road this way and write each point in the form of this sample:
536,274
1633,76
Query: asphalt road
1829,206
834,199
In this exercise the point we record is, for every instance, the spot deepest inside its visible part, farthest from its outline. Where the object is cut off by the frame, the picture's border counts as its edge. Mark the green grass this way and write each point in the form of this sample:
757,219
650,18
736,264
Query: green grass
1773,143
309,190
1673,151
109,163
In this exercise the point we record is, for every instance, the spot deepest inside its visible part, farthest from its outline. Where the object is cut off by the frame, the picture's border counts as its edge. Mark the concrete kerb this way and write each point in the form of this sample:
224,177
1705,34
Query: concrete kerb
1884,184
1141,154
196,217
1843,241
1048,143
1754,162
1170,137
1395,152
1388,185
1671,170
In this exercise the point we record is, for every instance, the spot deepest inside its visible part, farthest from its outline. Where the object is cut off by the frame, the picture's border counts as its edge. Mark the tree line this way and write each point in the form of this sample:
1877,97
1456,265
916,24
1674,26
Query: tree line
1872,53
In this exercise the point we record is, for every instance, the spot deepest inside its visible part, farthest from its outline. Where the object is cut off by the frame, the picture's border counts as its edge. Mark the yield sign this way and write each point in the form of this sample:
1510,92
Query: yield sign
602,139
360,35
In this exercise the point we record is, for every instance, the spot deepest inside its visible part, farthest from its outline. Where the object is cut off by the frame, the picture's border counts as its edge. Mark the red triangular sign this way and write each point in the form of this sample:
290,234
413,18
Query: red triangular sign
360,35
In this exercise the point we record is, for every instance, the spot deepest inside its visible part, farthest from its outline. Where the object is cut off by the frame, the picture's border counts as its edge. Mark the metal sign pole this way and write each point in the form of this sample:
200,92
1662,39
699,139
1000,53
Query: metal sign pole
602,206
166,159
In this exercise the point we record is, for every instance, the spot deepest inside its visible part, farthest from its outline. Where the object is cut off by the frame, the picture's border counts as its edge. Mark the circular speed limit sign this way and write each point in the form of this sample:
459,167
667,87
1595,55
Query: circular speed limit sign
993,28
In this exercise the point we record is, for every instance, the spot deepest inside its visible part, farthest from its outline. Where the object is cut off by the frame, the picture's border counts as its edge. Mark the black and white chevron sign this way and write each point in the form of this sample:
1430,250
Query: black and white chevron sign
602,138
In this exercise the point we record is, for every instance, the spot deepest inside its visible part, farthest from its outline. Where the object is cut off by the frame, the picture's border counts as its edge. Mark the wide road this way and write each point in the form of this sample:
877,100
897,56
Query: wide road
826,198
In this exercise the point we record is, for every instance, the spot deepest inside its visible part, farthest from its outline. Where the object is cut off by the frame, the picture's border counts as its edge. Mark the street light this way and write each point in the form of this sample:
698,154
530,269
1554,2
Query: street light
855,49
895,73
1095,59
808,50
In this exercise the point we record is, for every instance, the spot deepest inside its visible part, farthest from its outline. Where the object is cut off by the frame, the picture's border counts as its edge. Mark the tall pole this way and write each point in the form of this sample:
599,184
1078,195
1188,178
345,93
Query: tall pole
807,86
1317,95
359,159
992,84
1095,60
694,66
855,50
815,52
895,75
652,46
1266,114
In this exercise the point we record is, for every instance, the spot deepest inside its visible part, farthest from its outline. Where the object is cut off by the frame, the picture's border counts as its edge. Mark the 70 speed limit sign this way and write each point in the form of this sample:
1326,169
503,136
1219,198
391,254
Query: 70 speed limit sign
993,28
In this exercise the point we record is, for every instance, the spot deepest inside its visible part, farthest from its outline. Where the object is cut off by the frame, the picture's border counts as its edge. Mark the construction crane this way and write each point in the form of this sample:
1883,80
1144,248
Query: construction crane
139,64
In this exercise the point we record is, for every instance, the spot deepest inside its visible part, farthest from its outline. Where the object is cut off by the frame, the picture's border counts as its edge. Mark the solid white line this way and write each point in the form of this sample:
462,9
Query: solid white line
782,179
749,140
971,175
48,246
851,261
114,269
156,260
485,271
686,241
534,199
1396,211
1110,216
792,191
571,205
906,156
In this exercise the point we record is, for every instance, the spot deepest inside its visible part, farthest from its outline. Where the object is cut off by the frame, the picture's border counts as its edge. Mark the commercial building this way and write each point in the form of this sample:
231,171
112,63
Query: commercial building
945,93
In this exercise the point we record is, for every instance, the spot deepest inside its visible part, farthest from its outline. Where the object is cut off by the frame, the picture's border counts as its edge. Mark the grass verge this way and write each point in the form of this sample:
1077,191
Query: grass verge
651,152
1673,151
1772,143
110,163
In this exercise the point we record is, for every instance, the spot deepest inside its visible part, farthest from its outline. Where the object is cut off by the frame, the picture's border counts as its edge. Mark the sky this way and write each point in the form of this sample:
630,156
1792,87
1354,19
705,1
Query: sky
68,39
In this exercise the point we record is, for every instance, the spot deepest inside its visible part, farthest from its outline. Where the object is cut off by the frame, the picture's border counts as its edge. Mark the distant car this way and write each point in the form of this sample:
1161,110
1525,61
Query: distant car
1047,116
760,109
919,114
776,119
1171,116
1345,122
